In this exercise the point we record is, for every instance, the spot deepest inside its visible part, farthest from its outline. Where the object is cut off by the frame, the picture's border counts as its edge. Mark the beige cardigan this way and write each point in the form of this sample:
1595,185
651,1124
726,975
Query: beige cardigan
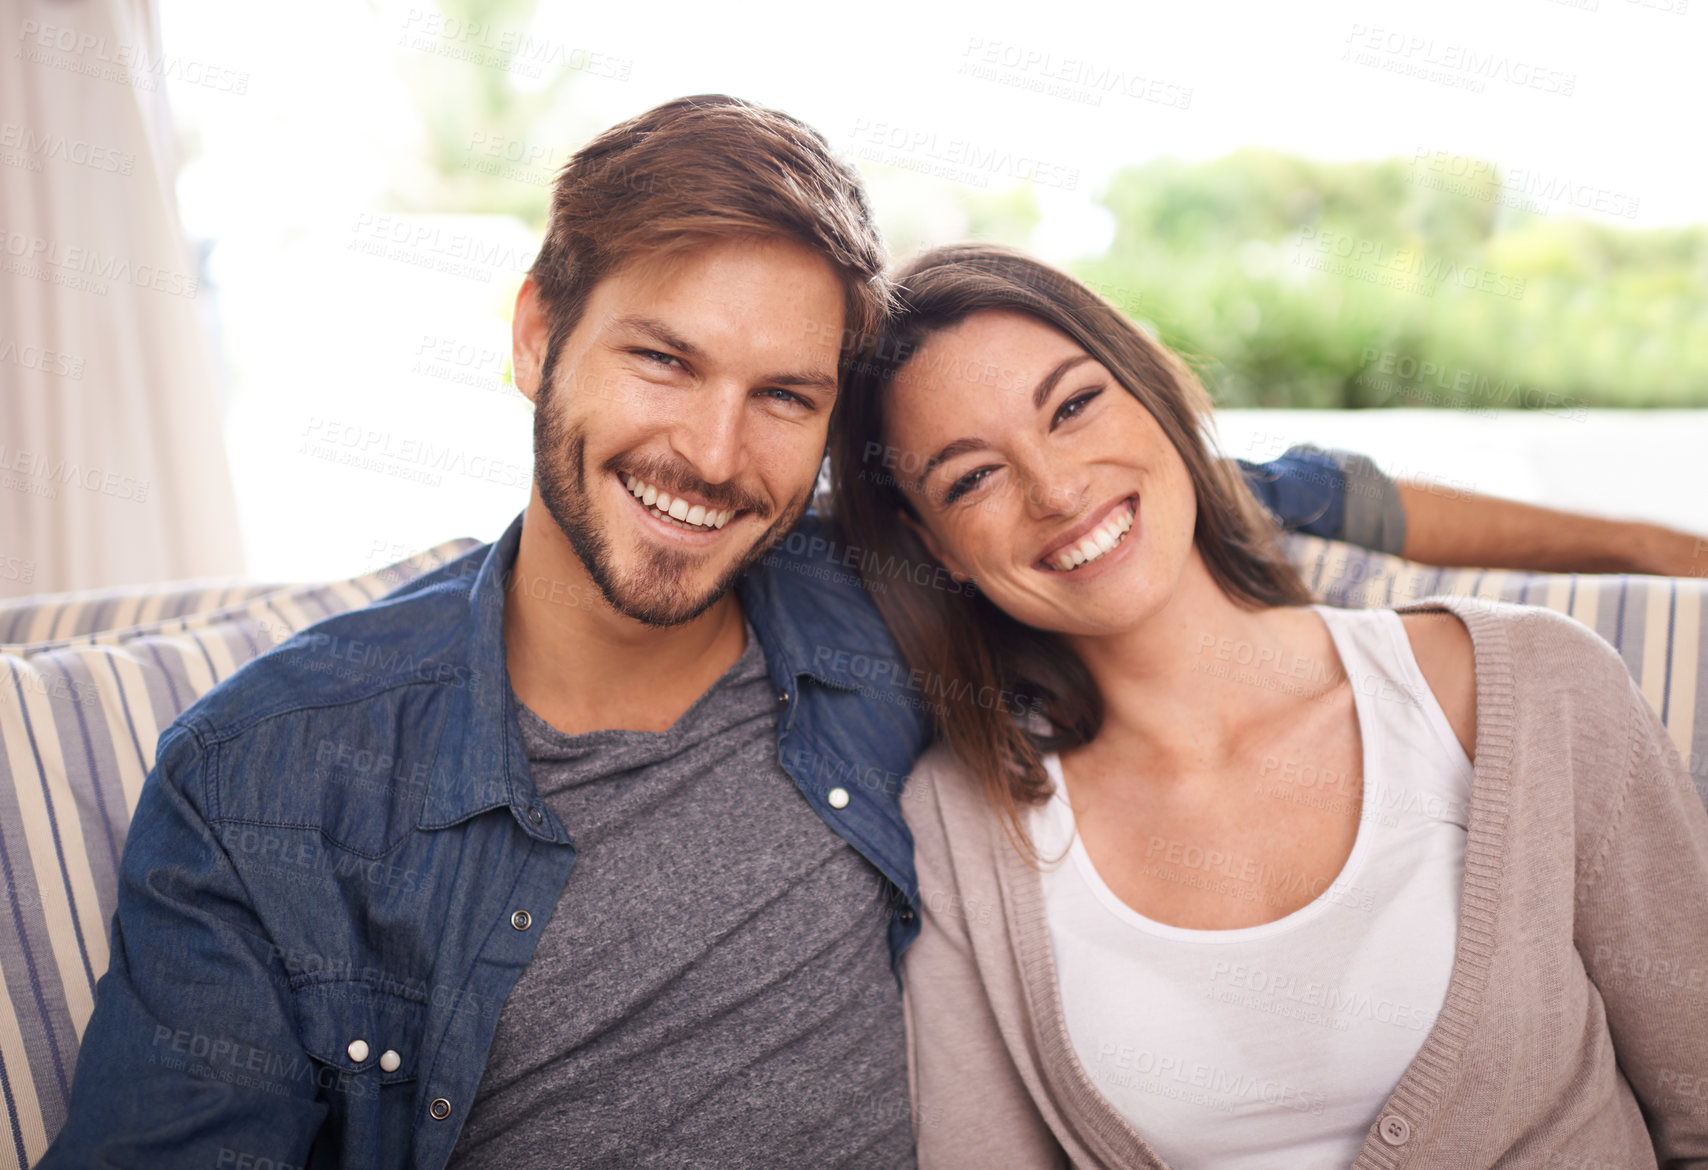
1578,1001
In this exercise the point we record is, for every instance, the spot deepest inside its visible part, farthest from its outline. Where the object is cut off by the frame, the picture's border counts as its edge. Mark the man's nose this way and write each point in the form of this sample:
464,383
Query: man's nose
711,431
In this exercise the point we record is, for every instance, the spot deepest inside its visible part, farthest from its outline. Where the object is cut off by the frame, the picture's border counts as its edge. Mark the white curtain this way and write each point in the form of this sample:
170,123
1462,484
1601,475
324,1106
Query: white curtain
112,461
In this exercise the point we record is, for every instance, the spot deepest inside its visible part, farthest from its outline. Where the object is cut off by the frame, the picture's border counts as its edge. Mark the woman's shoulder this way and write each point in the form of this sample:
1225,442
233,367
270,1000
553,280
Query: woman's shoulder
940,785
946,806
1529,633
1446,658
1523,660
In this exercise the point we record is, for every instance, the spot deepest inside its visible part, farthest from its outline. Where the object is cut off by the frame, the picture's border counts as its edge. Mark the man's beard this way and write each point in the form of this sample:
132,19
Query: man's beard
654,592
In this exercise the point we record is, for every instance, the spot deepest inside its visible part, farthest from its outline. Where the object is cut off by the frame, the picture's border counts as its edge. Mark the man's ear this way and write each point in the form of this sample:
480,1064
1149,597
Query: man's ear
932,547
530,330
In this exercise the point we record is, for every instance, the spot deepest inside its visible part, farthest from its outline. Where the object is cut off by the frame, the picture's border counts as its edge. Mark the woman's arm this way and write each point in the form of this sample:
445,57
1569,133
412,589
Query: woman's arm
970,1106
1642,932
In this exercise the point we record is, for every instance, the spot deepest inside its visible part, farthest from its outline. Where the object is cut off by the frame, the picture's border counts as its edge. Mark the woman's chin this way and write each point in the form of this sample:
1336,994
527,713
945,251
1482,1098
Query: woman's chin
1091,616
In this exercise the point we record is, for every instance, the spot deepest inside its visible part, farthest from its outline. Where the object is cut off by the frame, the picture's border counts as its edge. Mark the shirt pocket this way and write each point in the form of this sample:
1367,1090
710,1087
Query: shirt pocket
363,1036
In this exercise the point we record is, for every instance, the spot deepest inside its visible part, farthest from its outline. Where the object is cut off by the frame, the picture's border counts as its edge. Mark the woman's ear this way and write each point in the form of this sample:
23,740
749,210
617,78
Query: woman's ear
932,547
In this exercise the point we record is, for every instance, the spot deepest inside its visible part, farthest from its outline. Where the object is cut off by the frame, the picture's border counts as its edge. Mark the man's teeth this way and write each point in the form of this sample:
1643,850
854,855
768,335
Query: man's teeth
677,509
1096,542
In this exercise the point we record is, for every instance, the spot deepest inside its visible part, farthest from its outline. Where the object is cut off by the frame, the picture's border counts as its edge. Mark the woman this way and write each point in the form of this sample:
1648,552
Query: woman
1233,880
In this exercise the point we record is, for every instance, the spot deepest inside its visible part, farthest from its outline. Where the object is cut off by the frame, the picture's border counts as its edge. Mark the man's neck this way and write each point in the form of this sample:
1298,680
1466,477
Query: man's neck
582,666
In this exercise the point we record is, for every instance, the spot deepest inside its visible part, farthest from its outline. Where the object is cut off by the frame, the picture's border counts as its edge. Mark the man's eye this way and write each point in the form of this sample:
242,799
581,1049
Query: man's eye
663,359
1074,405
965,484
782,395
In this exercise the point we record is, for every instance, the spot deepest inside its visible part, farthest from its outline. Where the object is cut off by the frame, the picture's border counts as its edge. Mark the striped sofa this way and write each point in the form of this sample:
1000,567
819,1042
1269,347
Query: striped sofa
90,681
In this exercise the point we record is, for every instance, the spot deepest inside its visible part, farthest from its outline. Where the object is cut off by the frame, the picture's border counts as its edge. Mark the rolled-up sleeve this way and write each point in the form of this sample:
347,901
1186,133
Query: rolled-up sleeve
1339,495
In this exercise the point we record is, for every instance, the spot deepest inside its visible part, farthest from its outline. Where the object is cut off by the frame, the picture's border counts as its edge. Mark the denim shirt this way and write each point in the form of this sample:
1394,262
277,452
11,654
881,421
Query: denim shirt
339,865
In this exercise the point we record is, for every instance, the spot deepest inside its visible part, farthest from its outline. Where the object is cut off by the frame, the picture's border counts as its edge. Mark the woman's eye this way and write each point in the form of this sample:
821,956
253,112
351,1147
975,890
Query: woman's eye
1073,406
965,484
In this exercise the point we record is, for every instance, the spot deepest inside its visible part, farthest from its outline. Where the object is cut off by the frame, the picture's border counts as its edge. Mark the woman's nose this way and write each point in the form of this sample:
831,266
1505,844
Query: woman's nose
1059,490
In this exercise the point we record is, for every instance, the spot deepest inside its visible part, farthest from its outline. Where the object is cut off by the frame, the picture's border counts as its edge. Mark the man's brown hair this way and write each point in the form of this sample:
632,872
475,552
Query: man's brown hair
699,169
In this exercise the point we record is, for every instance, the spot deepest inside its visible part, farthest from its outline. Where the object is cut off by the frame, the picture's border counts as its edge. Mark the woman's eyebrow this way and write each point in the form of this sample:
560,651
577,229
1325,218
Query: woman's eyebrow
1041,394
949,451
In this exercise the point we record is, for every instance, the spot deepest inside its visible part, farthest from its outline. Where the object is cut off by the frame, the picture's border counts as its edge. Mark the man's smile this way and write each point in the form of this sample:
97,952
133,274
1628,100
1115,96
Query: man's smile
679,512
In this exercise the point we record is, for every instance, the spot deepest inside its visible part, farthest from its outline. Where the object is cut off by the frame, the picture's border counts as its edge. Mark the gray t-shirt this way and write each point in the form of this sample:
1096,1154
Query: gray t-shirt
714,987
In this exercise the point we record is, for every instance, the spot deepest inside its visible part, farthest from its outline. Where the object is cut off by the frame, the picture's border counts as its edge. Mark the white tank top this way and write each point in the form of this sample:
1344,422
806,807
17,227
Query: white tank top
1277,1045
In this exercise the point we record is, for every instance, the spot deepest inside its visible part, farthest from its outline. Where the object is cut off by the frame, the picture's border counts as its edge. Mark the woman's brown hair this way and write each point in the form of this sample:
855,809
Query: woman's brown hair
960,636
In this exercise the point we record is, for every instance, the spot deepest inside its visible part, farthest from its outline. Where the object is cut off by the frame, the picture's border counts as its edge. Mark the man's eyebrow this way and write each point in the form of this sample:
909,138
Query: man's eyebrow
1041,394
808,379
659,332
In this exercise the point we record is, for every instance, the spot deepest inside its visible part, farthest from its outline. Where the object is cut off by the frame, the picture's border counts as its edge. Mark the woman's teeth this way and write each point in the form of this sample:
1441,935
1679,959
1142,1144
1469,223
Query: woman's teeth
1095,543
663,505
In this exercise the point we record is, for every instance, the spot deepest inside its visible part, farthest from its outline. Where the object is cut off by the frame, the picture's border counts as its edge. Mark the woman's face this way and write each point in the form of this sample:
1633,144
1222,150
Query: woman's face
1035,473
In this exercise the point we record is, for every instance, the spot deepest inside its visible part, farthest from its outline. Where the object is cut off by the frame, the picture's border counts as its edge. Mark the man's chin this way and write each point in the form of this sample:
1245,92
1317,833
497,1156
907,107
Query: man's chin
663,607
668,590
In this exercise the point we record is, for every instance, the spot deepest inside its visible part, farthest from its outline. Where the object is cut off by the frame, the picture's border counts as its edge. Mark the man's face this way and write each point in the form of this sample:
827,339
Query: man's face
707,379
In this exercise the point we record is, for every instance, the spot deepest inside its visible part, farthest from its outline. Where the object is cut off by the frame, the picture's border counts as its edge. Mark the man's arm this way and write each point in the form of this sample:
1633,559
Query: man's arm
1445,526
1342,495
192,1053
1338,495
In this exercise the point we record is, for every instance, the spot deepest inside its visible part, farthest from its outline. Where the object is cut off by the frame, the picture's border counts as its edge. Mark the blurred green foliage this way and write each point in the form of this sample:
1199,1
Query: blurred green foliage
489,141
1435,281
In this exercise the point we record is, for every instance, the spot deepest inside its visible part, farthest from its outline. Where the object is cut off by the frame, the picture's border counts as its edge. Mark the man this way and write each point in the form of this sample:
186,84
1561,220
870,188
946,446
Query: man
606,873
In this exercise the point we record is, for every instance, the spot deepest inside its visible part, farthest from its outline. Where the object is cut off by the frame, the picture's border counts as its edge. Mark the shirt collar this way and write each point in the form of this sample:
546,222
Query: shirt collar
815,618
806,604
481,763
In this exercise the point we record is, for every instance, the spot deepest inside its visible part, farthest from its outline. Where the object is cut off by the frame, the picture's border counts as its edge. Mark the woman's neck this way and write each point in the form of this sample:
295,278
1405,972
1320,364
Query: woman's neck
1172,685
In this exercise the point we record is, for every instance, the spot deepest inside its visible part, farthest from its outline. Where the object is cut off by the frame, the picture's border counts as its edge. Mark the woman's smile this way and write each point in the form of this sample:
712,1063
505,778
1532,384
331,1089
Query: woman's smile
1091,542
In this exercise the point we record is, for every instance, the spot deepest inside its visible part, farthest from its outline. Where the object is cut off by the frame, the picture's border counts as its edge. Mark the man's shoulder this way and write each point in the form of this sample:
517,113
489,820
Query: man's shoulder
416,634
810,586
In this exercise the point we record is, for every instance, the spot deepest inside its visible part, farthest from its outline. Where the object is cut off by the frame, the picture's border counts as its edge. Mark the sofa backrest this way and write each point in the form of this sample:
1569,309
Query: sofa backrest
89,683
1655,623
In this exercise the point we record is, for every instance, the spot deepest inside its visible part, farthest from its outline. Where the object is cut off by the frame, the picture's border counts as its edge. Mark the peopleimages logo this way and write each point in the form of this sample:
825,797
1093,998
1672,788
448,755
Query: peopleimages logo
1527,187
59,148
953,157
1072,78
1380,258
47,256
53,473
97,56
1463,66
